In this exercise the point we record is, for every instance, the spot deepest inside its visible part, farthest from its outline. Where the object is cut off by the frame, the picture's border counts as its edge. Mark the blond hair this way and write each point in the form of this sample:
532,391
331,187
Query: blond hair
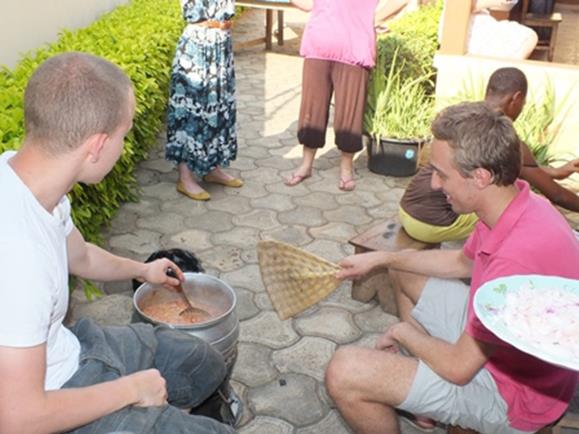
72,96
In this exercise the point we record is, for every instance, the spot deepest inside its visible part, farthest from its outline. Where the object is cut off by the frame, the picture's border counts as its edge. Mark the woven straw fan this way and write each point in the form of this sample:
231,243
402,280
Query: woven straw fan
294,278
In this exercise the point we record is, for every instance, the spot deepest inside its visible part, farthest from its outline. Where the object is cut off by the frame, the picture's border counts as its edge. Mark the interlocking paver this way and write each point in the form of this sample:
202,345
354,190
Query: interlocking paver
269,425
276,202
296,235
141,242
331,323
233,205
292,397
309,356
188,208
238,236
252,189
246,307
319,200
263,219
212,221
188,239
165,223
267,329
254,365
247,277
336,231
331,424
328,249
304,215
347,214
161,190
224,258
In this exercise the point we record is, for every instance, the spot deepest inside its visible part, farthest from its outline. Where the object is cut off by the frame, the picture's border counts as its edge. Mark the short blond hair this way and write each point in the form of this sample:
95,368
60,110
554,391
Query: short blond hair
72,96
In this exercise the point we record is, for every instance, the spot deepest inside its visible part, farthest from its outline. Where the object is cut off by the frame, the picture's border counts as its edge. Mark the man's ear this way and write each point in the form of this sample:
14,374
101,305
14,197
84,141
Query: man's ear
482,177
94,145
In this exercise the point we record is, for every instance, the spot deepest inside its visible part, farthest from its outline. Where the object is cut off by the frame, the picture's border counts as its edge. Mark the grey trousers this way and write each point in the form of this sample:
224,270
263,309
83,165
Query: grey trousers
192,369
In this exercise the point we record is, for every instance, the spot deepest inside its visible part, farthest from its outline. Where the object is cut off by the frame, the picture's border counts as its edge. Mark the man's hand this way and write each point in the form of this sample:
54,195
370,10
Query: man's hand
150,388
356,266
387,342
156,272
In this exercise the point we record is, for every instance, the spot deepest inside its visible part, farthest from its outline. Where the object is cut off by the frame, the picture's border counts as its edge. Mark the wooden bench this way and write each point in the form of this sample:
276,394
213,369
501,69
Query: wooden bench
388,236
269,7
569,420
549,21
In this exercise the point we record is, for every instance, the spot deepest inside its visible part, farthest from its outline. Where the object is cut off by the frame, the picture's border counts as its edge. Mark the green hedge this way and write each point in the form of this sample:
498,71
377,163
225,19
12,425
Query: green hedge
140,37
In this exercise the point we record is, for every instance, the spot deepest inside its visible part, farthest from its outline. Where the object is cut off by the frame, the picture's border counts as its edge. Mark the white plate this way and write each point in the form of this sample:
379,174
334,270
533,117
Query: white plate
489,306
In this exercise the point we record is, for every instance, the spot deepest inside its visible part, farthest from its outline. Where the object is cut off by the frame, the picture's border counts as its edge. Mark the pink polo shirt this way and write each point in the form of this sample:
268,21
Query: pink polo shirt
341,31
531,237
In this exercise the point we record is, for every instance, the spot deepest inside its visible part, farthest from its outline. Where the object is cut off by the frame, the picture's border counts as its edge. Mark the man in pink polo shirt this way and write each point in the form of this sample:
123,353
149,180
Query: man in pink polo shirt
461,373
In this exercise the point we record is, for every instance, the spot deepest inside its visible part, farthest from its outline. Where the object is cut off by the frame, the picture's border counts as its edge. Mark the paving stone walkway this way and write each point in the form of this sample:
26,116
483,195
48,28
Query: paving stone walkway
280,368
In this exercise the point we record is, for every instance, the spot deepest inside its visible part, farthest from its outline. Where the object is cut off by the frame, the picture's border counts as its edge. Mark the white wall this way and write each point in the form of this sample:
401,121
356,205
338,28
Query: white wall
28,24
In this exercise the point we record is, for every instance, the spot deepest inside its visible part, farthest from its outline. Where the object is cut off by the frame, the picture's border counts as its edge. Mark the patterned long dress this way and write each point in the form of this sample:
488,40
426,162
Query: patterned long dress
201,113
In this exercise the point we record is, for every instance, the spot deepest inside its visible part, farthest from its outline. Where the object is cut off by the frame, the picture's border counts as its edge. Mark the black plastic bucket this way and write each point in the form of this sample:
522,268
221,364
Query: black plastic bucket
393,157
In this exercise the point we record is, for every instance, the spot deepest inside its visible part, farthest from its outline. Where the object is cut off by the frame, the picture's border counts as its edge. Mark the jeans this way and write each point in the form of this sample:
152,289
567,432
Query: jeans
192,369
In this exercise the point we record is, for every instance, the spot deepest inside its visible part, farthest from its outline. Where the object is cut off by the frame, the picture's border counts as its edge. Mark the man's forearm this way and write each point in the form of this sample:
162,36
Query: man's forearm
66,409
436,353
98,264
446,264
442,356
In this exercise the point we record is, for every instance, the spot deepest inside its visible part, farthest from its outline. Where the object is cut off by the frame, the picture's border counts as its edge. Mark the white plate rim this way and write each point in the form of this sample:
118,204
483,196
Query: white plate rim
480,309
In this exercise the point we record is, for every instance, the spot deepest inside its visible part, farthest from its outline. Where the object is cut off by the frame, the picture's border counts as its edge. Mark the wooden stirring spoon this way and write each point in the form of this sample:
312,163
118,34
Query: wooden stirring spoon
191,309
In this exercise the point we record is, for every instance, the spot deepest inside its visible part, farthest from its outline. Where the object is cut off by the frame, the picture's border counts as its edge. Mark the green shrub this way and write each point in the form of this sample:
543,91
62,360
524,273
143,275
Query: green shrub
405,54
139,37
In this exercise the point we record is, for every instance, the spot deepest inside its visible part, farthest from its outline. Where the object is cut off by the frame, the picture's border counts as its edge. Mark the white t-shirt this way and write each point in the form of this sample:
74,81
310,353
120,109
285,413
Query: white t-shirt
34,276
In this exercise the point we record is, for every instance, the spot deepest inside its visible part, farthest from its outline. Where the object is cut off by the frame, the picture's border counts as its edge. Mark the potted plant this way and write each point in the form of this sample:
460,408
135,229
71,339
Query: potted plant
397,119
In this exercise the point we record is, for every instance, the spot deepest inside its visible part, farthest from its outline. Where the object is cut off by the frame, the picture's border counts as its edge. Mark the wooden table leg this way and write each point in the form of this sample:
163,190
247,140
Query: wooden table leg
279,27
268,28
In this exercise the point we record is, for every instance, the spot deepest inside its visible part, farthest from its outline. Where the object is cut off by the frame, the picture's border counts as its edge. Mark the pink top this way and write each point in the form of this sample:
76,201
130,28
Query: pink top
531,237
342,31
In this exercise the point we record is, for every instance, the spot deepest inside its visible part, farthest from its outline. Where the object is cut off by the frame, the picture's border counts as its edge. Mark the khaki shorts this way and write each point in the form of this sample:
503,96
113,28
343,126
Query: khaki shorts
478,405
320,79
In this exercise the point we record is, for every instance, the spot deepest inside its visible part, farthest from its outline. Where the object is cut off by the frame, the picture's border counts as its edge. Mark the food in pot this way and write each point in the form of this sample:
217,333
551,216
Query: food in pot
174,312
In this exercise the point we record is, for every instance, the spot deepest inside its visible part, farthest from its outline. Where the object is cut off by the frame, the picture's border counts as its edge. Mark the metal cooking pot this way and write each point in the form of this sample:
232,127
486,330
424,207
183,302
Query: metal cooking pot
214,295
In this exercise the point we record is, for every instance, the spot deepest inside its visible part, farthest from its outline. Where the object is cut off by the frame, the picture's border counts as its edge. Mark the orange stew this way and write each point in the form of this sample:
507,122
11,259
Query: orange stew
173,312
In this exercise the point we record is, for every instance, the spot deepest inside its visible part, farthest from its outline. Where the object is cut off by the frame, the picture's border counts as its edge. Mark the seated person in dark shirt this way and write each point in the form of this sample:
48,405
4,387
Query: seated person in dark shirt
426,214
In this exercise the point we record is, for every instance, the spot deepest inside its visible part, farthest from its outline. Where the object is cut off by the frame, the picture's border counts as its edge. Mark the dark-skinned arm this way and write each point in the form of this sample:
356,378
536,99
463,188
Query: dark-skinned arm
543,182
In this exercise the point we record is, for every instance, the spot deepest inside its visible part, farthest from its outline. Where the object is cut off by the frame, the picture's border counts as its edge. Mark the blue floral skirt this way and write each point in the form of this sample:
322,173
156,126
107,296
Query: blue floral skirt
201,113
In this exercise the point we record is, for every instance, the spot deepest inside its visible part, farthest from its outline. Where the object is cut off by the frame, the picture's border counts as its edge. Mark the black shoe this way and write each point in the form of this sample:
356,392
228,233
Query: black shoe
223,405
